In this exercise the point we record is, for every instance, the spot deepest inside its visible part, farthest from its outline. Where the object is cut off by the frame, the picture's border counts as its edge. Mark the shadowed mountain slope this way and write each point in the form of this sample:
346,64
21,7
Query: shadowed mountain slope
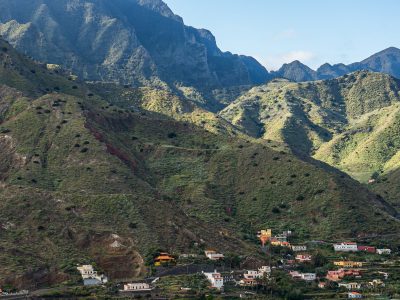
127,41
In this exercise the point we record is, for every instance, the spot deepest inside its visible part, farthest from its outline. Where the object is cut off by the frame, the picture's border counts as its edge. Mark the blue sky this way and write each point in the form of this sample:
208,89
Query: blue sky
313,31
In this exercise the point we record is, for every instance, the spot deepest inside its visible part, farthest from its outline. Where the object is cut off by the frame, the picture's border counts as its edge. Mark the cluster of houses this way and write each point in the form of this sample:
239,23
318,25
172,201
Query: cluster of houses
167,259
265,235
249,278
346,268
353,247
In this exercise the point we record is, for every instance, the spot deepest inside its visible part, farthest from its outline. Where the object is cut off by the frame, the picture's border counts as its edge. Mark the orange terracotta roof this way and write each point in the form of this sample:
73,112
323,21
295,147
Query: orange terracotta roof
164,257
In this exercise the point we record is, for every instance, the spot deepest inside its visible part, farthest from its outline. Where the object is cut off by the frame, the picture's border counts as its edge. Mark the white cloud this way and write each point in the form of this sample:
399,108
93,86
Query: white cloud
274,62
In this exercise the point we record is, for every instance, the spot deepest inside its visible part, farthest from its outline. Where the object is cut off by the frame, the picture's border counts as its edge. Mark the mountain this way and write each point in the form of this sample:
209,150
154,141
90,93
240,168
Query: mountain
88,179
295,71
350,122
134,42
386,61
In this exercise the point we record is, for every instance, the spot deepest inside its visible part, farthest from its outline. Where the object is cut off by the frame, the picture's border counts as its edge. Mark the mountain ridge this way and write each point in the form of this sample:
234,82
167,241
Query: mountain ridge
346,122
386,61
138,42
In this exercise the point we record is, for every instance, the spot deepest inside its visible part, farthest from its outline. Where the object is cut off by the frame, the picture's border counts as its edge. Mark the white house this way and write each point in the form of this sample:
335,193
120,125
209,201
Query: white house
383,251
354,295
351,285
260,273
298,248
90,276
308,276
346,247
250,274
303,276
376,283
213,255
264,271
215,279
303,257
137,287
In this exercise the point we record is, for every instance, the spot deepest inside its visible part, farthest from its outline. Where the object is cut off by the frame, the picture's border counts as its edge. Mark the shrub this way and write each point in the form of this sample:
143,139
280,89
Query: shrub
133,225
276,210
84,150
172,135
300,198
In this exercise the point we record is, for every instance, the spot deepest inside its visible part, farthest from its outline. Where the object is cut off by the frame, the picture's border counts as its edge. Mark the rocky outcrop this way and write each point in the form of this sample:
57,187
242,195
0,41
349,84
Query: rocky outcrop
139,42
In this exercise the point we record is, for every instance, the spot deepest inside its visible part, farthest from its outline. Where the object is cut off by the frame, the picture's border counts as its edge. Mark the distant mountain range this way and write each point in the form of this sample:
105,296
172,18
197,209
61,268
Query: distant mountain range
386,61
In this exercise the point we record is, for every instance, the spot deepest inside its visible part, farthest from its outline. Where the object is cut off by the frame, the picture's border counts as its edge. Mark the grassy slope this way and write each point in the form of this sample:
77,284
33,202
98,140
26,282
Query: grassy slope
79,173
349,122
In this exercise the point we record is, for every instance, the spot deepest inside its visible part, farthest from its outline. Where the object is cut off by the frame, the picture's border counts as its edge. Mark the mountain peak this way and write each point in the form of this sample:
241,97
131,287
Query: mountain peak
296,71
134,42
161,7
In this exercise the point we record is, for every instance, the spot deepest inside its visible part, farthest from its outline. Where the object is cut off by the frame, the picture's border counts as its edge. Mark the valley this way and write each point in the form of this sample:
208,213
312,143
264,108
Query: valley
133,149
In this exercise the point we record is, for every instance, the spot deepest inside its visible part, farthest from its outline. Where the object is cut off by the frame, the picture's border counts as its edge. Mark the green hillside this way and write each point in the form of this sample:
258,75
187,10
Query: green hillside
80,172
350,122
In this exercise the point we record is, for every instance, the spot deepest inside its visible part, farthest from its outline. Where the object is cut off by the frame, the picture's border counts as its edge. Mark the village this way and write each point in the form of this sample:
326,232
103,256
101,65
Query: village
309,270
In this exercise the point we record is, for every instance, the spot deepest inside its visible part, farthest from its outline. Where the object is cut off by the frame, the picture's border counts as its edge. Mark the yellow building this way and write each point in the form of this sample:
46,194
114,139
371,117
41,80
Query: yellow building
267,233
348,264
163,258
275,242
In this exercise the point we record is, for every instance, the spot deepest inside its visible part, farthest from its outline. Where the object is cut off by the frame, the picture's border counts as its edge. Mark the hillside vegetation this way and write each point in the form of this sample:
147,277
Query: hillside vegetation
350,123
79,172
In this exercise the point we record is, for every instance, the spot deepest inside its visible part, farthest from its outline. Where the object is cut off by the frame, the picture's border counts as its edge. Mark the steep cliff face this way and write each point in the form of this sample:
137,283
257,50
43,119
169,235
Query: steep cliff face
137,42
